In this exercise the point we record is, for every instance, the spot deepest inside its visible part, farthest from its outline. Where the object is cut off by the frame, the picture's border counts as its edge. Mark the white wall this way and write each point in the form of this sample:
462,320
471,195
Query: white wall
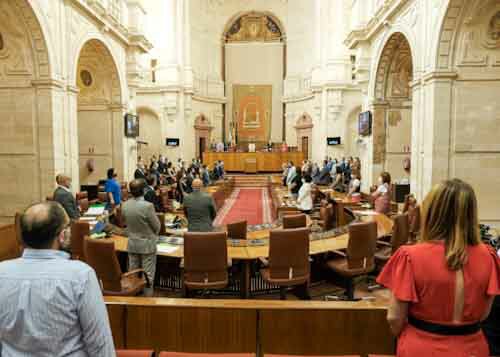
257,64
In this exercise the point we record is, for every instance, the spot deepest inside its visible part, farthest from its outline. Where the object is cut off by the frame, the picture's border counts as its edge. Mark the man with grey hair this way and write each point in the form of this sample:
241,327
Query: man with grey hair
51,305
65,197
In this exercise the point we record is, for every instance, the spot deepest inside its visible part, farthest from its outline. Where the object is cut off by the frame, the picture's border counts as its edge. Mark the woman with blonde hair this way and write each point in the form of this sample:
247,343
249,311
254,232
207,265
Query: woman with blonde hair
443,287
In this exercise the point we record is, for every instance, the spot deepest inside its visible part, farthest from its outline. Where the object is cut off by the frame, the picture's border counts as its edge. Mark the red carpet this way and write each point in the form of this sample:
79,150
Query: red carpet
250,204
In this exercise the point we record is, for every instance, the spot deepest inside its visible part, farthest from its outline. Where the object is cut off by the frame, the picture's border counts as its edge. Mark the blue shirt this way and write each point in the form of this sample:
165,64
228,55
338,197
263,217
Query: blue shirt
52,306
114,187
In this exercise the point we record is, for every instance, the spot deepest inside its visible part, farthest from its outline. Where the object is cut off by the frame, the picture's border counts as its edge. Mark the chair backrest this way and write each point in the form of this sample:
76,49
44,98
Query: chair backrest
100,255
83,203
124,191
161,218
237,230
401,231
9,245
102,197
415,220
134,353
294,221
19,233
205,257
81,195
362,244
79,230
326,215
289,253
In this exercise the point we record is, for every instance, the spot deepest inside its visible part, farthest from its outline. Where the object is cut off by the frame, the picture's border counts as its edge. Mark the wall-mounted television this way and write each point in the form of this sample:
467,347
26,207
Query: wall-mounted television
131,126
365,123
334,141
172,142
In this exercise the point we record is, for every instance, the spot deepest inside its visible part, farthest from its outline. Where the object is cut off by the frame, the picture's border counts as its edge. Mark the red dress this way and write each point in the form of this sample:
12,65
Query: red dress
418,275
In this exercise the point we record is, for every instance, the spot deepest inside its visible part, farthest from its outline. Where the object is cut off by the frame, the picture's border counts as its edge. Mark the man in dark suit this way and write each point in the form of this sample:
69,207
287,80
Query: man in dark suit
142,229
200,209
139,172
150,193
65,197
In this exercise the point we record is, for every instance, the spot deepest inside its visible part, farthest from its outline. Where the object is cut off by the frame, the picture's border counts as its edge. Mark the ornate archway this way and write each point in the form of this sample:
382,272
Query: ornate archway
303,127
28,134
202,129
100,113
392,108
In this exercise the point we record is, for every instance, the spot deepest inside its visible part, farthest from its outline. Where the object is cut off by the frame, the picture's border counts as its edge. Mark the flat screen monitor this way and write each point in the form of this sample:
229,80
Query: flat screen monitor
131,126
365,123
333,141
172,142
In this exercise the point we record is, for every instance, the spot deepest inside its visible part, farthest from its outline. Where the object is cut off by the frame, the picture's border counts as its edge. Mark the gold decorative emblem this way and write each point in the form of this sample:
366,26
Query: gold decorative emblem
254,27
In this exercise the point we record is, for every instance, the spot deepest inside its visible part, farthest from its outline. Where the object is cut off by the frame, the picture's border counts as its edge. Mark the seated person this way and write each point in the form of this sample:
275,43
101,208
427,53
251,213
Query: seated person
324,176
199,209
65,197
51,305
382,195
150,193
338,184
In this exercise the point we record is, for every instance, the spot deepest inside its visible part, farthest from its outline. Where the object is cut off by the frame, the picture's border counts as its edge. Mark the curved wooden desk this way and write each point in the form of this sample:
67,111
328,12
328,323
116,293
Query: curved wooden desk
247,254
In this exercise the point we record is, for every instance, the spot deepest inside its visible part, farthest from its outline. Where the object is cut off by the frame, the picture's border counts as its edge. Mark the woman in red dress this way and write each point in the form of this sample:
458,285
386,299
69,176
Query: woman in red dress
443,287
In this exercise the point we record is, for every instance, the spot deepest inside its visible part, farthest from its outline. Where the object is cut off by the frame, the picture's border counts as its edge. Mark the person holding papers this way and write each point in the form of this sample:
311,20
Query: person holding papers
142,229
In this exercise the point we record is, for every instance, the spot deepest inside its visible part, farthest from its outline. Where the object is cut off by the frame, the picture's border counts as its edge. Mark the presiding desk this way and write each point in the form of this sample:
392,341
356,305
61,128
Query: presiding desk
252,162
259,327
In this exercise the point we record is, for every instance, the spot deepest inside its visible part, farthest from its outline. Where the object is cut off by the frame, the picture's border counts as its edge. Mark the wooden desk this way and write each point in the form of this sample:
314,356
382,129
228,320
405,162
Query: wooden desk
266,161
250,326
247,254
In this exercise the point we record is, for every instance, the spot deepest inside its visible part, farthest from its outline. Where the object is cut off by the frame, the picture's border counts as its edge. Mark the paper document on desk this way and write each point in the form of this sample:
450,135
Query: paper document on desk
95,211
165,248
366,213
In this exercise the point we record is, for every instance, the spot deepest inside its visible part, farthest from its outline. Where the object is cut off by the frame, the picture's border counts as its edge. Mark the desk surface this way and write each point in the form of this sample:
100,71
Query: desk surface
318,246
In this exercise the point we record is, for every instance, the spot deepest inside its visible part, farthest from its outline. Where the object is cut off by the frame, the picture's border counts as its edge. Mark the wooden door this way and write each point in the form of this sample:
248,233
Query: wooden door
202,147
305,147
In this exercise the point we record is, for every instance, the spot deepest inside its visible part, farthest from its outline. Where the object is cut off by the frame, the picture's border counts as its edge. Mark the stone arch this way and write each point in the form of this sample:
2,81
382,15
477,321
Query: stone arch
233,19
202,130
27,89
304,128
100,112
113,60
150,132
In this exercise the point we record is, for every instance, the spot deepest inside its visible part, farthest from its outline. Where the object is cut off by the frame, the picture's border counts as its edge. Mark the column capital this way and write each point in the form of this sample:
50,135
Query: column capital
439,76
49,83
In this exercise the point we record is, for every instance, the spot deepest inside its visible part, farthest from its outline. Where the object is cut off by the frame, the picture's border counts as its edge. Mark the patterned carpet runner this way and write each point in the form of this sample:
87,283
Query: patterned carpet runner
250,204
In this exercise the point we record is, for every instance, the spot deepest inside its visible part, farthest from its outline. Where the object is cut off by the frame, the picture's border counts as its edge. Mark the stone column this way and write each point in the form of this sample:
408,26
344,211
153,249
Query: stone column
379,110
188,70
71,133
122,148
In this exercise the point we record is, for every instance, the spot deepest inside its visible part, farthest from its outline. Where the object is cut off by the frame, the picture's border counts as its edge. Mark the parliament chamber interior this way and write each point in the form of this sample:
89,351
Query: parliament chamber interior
267,178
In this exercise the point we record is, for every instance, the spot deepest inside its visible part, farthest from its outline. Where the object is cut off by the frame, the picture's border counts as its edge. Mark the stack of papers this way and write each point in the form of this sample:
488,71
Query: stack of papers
95,211
165,248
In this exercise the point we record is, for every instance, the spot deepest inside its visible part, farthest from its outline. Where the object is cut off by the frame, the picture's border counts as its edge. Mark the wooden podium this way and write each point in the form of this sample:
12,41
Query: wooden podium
259,161
250,165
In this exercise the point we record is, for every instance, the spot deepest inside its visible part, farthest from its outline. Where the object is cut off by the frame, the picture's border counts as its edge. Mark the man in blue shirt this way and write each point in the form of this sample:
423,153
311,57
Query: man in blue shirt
51,305
113,189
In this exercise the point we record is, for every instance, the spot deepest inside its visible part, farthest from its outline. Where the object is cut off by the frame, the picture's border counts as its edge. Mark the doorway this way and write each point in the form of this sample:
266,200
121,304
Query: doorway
305,147
202,146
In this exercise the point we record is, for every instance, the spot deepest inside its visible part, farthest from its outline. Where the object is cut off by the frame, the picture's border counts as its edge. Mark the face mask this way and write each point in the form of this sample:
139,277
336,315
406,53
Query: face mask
380,181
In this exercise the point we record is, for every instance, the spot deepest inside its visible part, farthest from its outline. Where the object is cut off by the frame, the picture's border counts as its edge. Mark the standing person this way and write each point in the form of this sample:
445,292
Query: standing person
304,199
285,167
443,287
296,183
51,305
150,193
65,197
200,209
113,189
142,229
292,171
354,185
204,175
140,172
162,164
382,197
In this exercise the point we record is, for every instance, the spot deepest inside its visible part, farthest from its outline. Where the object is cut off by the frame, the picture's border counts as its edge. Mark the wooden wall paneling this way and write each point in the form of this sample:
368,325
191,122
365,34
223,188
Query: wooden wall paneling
325,332
118,322
191,329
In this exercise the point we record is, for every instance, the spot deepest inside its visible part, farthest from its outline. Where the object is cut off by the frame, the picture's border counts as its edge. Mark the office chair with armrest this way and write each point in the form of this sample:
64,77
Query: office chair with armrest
399,237
79,230
205,261
237,230
359,258
294,221
9,245
326,217
101,255
134,353
288,260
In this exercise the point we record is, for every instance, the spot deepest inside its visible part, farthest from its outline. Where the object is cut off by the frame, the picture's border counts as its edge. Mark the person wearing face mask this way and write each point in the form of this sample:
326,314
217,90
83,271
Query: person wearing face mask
139,172
296,182
304,199
381,195
65,197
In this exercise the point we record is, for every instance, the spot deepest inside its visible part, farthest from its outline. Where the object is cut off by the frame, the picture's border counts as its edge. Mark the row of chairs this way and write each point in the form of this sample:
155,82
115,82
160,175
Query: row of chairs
146,353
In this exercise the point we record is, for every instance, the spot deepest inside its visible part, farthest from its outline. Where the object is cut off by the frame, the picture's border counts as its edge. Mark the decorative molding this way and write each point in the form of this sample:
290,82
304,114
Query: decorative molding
48,83
216,100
